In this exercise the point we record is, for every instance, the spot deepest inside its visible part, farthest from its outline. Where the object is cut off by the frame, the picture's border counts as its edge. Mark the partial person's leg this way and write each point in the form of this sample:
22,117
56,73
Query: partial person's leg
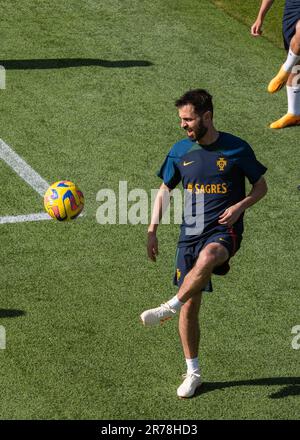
211,256
292,117
214,254
293,58
188,301
189,331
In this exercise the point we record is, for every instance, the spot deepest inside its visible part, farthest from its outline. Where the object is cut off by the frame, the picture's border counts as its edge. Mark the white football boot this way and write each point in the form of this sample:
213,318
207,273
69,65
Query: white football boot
158,315
188,387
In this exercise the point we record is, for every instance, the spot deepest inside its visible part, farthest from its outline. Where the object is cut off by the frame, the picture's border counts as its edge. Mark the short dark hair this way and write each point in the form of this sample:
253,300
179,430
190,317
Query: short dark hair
199,98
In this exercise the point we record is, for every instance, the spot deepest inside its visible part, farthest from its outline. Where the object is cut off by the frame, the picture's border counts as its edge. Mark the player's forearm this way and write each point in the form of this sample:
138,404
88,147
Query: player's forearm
264,8
161,203
258,191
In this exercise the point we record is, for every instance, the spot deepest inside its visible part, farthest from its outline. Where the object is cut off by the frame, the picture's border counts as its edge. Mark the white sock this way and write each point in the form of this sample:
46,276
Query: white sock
293,95
291,60
174,303
193,365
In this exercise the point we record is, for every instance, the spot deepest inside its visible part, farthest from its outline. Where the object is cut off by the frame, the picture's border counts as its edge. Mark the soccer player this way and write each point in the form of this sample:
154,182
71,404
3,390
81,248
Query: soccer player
289,72
213,164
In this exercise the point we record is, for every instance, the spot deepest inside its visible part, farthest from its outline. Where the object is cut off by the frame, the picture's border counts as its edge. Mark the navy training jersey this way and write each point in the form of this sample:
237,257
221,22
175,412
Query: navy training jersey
217,171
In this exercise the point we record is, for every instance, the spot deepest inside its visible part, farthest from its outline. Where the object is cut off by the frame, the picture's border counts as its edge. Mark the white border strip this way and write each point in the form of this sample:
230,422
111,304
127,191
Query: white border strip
24,218
23,169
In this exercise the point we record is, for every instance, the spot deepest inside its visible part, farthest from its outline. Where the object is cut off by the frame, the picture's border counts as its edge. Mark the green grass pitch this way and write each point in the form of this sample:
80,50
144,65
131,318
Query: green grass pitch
71,294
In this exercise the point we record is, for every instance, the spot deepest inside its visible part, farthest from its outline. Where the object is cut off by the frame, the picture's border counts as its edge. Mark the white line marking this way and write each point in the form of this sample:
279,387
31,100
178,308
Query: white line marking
31,177
25,218
23,169
29,218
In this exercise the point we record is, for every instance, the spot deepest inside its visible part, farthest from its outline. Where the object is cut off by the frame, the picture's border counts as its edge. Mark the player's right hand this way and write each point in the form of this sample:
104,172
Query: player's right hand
256,28
152,246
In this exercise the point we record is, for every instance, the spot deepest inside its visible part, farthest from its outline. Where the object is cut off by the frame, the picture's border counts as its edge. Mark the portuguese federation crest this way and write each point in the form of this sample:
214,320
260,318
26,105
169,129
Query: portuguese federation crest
221,163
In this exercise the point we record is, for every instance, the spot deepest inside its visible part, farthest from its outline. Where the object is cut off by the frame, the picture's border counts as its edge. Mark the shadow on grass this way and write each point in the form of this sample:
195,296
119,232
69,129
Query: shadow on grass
63,63
11,313
292,388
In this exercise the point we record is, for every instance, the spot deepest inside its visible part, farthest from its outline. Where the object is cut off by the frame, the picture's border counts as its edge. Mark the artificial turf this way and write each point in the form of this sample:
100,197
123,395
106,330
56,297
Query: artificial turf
71,293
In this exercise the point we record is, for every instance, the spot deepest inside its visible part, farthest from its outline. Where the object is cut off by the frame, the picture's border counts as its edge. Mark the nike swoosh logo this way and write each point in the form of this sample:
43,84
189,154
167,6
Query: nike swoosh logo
222,239
185,164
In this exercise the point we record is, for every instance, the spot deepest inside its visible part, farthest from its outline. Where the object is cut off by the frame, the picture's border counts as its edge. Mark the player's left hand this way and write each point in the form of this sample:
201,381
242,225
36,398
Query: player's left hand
230,215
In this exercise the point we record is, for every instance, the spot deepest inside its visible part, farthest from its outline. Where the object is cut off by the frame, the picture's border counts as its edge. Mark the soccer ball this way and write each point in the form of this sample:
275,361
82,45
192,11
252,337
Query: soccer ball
63,200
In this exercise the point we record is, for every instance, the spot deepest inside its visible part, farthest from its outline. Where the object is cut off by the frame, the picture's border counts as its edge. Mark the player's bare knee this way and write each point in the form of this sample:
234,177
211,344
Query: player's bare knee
211,256
206,260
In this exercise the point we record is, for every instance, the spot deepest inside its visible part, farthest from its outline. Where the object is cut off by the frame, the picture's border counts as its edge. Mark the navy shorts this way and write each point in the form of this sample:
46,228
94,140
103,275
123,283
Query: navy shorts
187,256
290,17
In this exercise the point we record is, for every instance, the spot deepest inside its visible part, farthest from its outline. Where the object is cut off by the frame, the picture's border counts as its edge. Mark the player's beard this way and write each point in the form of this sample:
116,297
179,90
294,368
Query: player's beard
201,131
